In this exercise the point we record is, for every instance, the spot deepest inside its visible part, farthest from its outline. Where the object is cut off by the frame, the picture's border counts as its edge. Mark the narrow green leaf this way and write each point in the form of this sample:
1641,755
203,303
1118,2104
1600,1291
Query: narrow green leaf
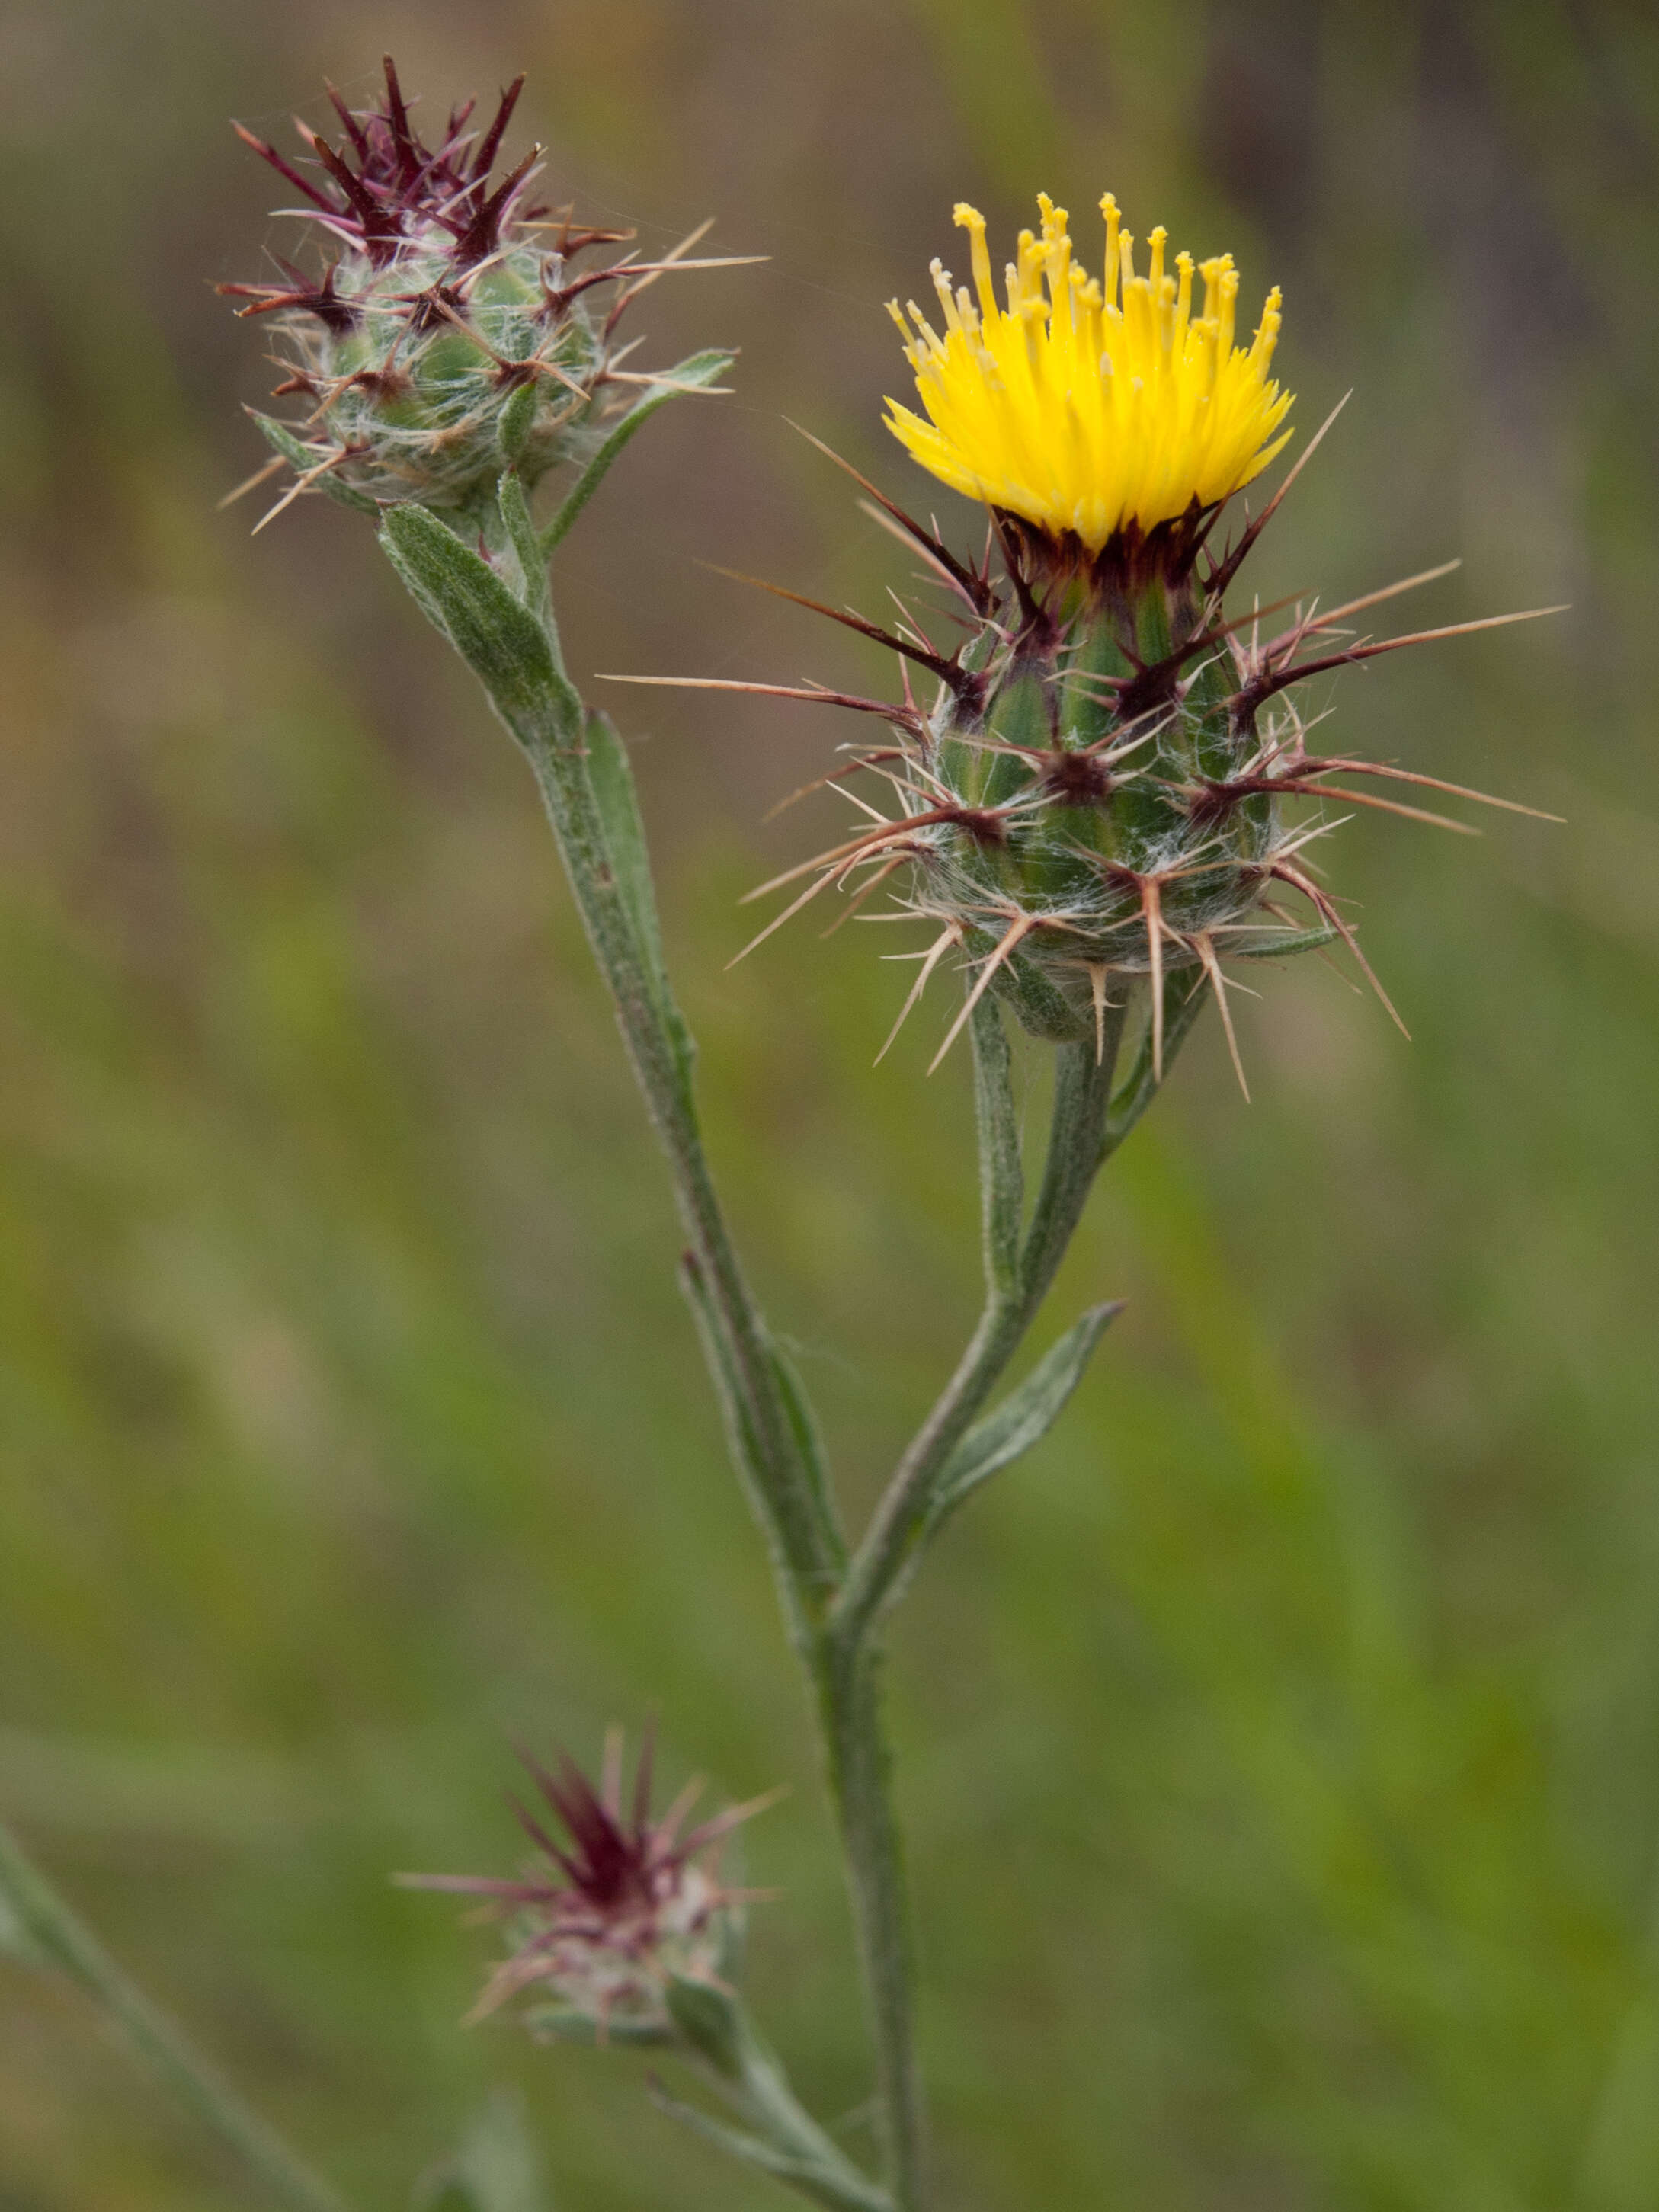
535,588
699,372
35,1928
498,636
497,2168
1279,943
742,1441
809,1442
618,803
303,460
1025,1416
711,2020
840,2185
517,420
716,2026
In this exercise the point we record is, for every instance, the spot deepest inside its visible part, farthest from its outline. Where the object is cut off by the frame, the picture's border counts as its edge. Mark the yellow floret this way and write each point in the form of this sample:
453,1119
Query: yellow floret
1090,407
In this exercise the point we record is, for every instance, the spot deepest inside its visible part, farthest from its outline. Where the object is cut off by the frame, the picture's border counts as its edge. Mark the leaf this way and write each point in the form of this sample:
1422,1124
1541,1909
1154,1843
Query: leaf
516,422
701,369
300,458
535,588
1024,1417
711,2020
497,2168
614,791
809,1442
498,637
1280,944
714,2024
837,2183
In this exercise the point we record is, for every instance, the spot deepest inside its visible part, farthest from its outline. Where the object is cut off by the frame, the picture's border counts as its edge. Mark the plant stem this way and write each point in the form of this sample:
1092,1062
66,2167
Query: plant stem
805,1547
831,1609
57,1937
1077,1147
789,1501
861,1781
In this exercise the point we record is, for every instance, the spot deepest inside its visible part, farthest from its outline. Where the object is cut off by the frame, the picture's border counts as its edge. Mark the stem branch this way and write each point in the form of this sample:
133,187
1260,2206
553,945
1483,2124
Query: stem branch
1076,1147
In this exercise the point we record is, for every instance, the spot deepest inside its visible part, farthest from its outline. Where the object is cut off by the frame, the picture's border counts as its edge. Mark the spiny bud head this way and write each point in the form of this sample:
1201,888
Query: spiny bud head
440,331
615,1907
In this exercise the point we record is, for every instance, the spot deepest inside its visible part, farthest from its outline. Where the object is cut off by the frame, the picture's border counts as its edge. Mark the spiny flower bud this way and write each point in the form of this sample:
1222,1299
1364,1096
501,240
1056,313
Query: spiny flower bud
445,332
1096,795
602,1922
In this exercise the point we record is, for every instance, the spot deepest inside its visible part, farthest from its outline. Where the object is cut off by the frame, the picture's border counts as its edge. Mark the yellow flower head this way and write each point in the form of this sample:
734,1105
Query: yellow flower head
1089,408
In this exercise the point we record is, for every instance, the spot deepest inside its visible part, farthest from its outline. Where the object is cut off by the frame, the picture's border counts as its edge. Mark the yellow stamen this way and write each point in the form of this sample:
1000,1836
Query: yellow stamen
1085,407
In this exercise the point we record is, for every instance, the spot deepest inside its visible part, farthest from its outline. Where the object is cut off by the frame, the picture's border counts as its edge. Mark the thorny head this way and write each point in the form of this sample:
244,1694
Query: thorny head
1094,771
439,325
614,1904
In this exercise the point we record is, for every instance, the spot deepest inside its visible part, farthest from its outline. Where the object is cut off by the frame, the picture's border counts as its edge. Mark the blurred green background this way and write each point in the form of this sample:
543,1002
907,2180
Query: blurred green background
1280,1742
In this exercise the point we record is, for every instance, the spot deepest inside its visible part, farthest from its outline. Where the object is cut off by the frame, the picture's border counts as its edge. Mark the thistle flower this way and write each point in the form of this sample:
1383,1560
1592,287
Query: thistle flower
444,329
1090,411
1096,798
602,1922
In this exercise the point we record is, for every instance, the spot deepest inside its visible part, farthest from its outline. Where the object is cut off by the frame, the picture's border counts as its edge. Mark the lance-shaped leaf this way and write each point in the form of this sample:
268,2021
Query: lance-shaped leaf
303,459
1023,1417
714,2027
696,375
618,804
534,588
499,638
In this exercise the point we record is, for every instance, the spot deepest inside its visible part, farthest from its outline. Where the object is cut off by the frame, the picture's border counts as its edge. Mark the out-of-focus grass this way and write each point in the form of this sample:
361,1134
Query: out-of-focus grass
1278,1743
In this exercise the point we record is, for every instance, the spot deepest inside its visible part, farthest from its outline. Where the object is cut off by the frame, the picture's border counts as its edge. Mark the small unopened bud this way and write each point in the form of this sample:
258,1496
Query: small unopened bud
438,331
606,1921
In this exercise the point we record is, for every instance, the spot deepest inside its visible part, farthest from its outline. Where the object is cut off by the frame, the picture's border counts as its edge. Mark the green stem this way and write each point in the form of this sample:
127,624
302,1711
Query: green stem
805,1547
53,1935
1076,1147
787,1496
512,647
861,1781
830,1607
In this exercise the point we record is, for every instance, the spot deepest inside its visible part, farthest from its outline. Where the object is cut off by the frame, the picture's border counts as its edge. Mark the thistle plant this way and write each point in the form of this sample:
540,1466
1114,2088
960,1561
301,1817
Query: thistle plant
1100,795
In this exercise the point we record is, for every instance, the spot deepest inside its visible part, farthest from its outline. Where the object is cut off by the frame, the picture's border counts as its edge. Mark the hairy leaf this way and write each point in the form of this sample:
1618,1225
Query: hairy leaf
300,458
697,373
1024,1416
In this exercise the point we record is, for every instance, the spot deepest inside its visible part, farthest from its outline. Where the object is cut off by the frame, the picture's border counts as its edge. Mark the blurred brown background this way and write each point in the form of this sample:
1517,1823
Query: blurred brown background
1279,1743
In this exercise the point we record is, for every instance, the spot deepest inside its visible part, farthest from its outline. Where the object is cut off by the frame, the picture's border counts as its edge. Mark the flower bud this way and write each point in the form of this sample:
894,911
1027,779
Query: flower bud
444,331
606,1921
